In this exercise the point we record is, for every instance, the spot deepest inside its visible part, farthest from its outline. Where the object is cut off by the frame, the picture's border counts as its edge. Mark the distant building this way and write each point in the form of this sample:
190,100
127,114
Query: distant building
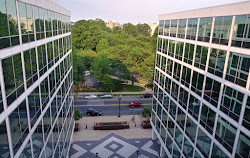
153,27
201,102
112,24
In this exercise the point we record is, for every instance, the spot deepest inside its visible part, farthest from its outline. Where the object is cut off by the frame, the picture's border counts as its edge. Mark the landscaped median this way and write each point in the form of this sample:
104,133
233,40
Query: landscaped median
111,125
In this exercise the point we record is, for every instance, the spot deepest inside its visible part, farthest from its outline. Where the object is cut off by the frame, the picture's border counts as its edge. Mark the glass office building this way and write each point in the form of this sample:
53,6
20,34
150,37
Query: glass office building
201,103
36,113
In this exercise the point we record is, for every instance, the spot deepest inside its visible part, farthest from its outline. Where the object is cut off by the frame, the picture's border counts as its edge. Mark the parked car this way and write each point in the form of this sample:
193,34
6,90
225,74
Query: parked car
93,112
106,96
91,96
135,104
147,95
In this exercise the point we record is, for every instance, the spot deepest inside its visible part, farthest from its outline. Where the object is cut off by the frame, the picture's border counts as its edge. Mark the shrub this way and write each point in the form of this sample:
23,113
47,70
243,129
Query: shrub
77,114
146,112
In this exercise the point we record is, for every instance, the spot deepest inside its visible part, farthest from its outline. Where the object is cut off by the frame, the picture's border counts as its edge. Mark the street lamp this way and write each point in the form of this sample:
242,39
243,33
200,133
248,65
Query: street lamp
119,99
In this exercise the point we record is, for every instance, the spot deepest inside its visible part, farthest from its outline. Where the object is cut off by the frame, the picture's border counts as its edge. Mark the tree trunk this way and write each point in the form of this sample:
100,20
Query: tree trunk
133,79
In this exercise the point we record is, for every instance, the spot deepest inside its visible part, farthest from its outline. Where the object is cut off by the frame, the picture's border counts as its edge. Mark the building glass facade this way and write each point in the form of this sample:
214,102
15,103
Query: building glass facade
36,79
202,84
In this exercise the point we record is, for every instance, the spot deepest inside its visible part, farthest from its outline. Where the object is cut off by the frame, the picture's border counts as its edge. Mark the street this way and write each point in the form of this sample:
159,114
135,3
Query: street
110,107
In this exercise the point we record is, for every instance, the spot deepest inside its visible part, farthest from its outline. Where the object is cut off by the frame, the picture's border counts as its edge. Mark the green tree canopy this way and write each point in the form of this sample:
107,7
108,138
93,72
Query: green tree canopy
100,66
143,29
103,44
130,29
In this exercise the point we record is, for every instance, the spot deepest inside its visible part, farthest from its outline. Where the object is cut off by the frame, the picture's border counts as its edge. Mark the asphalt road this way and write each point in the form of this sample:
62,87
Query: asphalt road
110,107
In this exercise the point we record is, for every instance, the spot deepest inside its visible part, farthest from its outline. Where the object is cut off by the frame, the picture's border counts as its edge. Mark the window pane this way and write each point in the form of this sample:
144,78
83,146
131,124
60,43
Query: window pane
4,144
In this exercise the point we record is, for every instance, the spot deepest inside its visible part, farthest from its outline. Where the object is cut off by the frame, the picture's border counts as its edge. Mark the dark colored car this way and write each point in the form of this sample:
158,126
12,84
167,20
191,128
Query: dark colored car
93,112
147,95
135,104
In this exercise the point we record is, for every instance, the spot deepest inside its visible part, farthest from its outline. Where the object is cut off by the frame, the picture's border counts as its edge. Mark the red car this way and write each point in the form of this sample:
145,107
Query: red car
135,104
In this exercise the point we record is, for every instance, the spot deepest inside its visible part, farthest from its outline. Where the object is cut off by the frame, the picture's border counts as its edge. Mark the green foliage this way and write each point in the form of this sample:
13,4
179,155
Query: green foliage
146,112
130,50
108,84
130,29
155,32
100,67
143,29
77,114
103,44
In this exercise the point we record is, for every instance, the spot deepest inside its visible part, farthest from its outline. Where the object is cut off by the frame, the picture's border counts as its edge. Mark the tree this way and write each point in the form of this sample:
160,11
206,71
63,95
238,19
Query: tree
100,67
103,44
77,114
155,32
117,30
87,56
130,29
143,29
108,84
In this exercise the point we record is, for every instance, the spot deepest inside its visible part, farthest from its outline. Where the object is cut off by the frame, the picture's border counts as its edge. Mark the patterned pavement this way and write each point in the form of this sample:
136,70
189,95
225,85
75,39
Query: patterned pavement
115,146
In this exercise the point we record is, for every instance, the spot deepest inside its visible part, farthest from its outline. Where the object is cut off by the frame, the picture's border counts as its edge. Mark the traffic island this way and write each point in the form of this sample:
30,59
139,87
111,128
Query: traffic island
111,125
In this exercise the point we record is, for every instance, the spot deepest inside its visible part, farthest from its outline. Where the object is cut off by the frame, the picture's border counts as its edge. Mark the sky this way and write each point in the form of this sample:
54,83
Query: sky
133,11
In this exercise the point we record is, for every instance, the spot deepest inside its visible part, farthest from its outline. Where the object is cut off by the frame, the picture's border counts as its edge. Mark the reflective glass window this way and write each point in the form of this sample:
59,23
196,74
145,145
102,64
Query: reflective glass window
183,97
19,126
26,153
197,82
207,118
1,101
181,28
177,71
42,61
54,15
180,118
4,144
243,146
44,92
231,102
241,34
163,134
191,28
37,140
12,19
166,27
217,61
174,90
212,91
13,77
4,33
160,29
217,152
185,77
179,50
164,117
34,106
166,101
30,66
159,45
194,106
26,22
201,57
173,28
190,129
238,68
225,133
204,31
222,27
203,143
47,123
169,67
188,149
165,46
246,117
171,48
188,55
176,152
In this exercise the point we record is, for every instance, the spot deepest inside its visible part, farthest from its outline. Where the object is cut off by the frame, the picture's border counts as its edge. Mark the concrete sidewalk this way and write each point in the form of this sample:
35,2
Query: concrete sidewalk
91,134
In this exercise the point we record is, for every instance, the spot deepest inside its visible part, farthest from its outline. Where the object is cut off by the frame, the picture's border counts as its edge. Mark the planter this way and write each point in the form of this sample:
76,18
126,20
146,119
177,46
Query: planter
76,127
111,125
146,124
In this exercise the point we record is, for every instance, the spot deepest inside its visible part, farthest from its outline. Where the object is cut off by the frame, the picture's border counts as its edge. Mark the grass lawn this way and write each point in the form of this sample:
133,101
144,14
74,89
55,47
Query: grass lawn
130,88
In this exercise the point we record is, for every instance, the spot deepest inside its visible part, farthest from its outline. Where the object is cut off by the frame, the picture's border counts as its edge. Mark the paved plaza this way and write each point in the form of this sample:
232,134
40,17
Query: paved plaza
113,143
115,146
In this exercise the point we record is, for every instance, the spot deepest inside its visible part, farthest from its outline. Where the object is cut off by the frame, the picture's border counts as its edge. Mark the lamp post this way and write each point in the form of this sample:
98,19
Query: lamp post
119,99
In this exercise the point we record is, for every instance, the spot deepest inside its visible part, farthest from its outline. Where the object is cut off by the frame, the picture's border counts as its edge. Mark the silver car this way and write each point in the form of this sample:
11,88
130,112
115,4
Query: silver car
106,96
90,96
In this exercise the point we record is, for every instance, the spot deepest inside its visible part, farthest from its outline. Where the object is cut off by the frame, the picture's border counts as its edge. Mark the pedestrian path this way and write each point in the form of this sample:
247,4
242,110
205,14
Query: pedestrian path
115,146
